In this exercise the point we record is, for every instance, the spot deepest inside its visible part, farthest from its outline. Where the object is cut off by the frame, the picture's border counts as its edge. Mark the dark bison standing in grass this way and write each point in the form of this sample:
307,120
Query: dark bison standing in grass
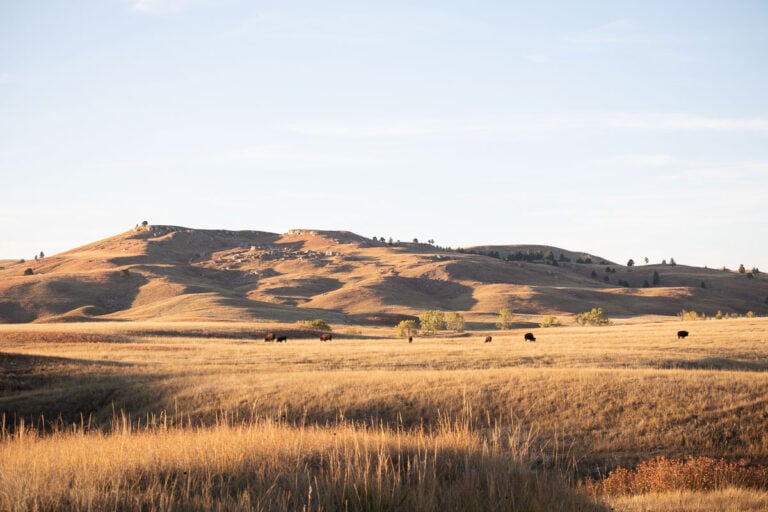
488,339
410,339
681,334
270,336
529,337
326,337
281,339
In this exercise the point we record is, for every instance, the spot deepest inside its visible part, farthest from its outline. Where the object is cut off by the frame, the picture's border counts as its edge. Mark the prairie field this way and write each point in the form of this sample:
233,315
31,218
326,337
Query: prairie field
149,416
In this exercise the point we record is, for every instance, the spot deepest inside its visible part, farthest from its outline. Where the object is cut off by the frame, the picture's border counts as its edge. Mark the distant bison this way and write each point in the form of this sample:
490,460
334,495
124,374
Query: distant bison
529,337
488,339
270,336
681,334
410,339
326,337
281,339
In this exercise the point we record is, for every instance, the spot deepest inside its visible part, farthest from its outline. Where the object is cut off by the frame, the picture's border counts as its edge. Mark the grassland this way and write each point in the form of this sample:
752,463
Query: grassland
202,414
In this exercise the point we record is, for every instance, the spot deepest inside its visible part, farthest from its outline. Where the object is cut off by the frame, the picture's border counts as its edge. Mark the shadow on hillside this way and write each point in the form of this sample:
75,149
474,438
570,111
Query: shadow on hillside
307,287
50,392
423,293
82,296
715,363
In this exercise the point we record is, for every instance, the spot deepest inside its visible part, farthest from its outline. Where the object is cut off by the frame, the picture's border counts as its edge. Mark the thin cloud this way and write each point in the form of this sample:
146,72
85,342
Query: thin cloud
161,6
530,123
621,31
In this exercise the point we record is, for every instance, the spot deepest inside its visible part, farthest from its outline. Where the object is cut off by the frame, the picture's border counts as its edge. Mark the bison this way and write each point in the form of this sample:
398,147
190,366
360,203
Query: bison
529,336
281,339
326,337
410,339
270,336
681,334
488,339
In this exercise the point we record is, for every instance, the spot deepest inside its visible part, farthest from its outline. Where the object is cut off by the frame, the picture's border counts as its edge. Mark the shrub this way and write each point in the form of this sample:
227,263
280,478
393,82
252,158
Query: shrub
595,317
28,272
454,321
665,475
316,324
550,321
505,318
692,315
405,328
431,321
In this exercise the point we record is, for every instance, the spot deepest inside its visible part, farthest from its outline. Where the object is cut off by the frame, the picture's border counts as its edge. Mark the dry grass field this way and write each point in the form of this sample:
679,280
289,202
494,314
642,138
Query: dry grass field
149,415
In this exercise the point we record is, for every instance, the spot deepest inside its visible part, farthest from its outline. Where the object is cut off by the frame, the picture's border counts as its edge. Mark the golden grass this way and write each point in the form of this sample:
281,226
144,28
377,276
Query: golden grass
587,399
272,466
728,500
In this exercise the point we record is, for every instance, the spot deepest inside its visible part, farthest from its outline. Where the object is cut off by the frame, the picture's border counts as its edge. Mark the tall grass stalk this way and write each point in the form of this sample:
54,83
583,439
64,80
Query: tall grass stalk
272,465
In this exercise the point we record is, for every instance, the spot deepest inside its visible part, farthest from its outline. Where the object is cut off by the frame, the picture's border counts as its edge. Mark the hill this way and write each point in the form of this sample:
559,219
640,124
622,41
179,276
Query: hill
176,273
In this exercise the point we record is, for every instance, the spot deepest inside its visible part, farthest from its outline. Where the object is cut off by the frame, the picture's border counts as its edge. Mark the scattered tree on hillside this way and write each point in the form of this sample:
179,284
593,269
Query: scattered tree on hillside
406,328
646,260
594,317
144,223
28,272
431,321
750,314
593,274
415,240
663,262
703,284
672,261
42,255
742,270
454,321
431,241
125,272
505,319
631,262
646,284
656,278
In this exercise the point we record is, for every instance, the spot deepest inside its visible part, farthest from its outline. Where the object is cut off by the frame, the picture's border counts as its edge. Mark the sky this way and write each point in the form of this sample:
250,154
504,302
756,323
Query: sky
627,129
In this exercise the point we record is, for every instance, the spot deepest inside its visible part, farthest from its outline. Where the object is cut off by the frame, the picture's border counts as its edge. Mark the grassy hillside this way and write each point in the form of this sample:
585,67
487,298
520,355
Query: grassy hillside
579,402
181,274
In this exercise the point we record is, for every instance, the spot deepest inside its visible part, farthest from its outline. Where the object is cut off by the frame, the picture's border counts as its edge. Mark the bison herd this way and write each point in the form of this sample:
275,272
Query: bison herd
270,336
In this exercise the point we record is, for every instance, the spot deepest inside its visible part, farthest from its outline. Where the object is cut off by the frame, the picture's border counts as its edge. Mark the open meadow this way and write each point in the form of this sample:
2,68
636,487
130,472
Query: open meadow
148,415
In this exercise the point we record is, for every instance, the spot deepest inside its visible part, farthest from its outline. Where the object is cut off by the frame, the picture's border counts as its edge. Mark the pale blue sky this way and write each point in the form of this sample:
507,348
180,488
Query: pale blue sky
627,129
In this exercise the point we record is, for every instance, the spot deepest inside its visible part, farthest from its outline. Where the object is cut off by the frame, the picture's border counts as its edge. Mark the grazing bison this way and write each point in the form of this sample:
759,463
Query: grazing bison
269,337
529,337
410,339
681,334
281,339
488,339
326,337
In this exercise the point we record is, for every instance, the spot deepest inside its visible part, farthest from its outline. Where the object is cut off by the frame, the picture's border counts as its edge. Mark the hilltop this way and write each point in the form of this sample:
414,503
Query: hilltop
175,273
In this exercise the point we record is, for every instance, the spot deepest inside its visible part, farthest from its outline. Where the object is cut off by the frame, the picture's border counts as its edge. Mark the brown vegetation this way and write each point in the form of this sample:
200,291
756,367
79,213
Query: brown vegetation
581,402
179,274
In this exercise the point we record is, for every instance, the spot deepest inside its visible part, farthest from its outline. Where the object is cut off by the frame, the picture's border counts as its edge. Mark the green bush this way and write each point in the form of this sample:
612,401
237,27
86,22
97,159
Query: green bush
550,321
405,328
595,317
316,324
